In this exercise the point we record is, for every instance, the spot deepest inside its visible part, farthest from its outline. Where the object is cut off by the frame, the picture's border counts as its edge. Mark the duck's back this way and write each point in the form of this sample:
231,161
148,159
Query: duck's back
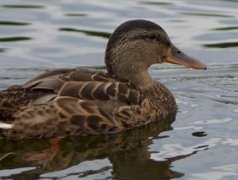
70,101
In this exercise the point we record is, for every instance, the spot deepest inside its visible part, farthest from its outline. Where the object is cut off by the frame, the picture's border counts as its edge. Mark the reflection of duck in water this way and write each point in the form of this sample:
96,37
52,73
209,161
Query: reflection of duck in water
127,152
81,102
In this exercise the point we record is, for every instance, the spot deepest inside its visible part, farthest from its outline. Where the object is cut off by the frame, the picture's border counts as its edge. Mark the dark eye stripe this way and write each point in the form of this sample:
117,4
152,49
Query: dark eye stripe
154,37
160,39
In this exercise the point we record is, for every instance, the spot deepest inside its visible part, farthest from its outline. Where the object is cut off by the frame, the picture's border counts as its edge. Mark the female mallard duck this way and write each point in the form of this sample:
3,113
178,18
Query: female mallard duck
81,102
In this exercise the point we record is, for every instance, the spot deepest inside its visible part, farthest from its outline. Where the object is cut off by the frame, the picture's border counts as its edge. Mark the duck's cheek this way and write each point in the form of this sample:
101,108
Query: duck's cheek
157,59
159,56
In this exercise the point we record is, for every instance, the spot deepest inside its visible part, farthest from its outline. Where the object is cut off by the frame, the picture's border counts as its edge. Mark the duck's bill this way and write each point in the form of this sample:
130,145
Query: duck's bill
178,57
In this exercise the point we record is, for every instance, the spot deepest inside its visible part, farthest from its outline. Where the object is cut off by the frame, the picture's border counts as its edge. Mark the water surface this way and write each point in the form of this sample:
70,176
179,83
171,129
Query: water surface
201,144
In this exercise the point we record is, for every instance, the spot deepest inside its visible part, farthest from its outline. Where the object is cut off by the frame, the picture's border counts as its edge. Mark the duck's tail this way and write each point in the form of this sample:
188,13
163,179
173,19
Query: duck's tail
5,125
8,106
4,128
12,99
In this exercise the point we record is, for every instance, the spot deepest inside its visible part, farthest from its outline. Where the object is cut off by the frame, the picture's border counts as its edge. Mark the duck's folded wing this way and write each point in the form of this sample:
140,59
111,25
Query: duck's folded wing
47,74
54,79
43,88
64,116
73,102
86,85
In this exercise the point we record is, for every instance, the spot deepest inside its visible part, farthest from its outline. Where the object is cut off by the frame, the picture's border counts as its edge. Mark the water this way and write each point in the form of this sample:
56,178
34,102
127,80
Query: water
201,144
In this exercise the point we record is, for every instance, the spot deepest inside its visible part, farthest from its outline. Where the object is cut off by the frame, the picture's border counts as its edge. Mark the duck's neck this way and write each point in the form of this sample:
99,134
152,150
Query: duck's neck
133,73
129,66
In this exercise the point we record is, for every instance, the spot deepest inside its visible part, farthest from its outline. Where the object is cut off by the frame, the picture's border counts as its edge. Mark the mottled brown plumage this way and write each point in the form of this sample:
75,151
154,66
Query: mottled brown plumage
82,102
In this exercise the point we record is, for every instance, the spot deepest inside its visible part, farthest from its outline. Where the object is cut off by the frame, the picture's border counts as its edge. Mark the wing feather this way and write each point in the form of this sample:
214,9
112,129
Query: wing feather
102,91
64,116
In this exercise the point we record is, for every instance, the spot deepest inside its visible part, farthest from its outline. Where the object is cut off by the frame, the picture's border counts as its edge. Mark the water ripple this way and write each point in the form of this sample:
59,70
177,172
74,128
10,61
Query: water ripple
230,28
14,39
81,170
171,150
206,15
76,14
20,6
36,36
13,23
87,32
7,173
155,3
213,121
228,171
222,45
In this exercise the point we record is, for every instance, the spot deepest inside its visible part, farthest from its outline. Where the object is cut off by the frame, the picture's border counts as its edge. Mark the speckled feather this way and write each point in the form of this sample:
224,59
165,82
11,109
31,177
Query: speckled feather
75,101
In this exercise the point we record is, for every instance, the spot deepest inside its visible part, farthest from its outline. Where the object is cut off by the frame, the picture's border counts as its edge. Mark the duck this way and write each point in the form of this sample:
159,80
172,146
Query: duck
82,102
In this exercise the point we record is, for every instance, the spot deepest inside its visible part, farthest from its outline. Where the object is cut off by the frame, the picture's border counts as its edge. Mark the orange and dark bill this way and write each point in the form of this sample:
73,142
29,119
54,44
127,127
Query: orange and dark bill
178,57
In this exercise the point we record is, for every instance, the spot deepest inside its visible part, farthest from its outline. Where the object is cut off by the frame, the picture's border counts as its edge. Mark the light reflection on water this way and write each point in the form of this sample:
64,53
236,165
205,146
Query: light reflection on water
40,35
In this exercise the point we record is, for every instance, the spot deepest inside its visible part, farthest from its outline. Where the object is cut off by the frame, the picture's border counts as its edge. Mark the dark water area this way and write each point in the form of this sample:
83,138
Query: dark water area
203,141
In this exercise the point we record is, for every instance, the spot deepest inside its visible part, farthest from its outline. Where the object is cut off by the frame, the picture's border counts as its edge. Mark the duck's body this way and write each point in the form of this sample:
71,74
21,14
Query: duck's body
82,102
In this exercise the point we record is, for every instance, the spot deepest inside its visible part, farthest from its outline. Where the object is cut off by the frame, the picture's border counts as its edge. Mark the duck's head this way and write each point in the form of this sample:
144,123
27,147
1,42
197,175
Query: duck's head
137,44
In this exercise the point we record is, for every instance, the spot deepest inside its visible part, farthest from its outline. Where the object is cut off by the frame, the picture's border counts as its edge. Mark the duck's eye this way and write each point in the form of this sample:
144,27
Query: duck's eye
152,37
